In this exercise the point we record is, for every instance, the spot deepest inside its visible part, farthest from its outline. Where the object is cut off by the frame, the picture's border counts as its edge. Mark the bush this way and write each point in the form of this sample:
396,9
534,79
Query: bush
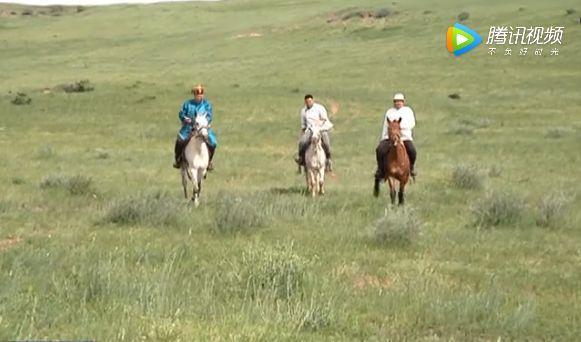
18,180
21,99
271,272
467,177
557,132
550,210
314,318
570,11
463,16
75,185
382,13
77,87
45,152
494,171
157,209
397,227
496,209
461,129
236,214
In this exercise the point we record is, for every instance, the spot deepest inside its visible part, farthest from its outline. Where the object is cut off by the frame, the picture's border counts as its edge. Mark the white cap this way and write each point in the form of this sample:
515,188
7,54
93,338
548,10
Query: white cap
398,96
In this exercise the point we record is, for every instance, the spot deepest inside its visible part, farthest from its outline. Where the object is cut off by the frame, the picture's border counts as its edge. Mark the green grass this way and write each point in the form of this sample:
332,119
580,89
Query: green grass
96,240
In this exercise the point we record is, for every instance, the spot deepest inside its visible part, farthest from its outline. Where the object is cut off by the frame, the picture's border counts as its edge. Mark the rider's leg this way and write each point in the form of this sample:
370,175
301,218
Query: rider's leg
411,150
381,158
326,140
178,150
304,142
212,144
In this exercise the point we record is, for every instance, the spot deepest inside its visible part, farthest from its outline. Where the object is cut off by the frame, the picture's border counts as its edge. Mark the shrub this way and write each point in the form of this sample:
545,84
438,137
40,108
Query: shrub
77,87
45,151
382,13
17,180
463,16
494,171
397,227
147,209
75,185
551,209
461,129
235,214
21,99
314,317
570,11
556,132
466,177
271,272
496,209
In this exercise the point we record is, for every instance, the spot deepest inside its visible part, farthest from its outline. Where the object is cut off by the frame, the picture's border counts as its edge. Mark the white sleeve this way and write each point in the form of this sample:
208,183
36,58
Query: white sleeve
323,113
409,120
303,119
384,129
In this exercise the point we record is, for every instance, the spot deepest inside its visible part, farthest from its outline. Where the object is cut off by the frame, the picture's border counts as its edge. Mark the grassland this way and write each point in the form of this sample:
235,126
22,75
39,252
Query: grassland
97,242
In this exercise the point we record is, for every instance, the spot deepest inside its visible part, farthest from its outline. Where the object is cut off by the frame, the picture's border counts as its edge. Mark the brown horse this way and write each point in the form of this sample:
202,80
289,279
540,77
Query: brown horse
398,163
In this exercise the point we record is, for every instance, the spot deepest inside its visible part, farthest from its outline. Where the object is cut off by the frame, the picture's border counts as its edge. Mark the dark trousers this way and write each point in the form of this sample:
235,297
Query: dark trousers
383,149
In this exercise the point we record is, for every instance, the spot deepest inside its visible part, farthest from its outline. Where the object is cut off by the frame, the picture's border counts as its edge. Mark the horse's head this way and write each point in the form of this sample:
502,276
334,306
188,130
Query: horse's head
315,135
394,131
201,126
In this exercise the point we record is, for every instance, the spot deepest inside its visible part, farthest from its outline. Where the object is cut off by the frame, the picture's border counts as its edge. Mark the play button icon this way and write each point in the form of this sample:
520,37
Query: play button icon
461,39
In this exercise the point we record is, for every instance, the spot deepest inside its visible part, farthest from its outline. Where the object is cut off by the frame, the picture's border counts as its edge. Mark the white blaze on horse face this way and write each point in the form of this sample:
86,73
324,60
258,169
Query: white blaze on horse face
201,121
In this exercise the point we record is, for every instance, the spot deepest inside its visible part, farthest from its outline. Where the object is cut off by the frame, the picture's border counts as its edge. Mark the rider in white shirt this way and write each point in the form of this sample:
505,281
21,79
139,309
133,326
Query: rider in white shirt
314,114
408,122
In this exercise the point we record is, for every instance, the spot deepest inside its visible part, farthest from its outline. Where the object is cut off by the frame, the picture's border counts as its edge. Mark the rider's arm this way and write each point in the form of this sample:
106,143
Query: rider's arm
183,112
384,128
209,112
303,120
323,113
408,120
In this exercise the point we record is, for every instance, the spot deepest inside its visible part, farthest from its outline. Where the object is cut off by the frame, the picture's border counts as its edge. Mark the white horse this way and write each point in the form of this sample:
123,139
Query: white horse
315,160
196,158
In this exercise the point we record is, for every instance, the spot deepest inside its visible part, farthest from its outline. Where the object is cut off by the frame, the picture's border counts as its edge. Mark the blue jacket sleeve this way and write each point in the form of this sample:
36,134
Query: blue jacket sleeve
209,110
183,112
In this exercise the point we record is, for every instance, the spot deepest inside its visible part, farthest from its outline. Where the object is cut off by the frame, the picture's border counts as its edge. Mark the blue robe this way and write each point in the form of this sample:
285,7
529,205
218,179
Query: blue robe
191,109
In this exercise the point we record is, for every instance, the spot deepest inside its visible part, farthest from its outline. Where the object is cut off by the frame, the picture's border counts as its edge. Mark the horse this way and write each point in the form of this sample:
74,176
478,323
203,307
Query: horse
398,163
315,160
196,158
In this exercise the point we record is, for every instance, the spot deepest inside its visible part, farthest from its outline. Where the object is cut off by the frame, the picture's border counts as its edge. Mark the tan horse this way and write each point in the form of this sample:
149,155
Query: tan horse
398,163
196,158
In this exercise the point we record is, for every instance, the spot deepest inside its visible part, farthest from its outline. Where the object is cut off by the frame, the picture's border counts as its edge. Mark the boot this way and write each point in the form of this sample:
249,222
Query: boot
178,150
376,187
211,150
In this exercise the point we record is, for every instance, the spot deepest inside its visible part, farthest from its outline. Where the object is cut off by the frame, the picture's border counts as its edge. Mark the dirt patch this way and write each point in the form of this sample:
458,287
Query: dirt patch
248,35
372,281
9,242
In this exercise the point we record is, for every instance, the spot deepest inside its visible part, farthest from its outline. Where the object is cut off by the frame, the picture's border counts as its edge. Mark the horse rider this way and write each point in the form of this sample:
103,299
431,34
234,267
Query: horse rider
190,110
314,114
408,122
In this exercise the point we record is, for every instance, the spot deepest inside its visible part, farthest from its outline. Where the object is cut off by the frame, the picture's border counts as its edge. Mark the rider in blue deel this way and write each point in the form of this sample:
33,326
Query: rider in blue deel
190,109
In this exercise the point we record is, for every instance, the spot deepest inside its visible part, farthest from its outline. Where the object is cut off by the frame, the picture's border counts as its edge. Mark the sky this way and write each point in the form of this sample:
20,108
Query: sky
87,2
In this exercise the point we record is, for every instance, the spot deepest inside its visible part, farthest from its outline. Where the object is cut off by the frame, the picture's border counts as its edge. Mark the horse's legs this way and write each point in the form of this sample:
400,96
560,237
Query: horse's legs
391,190
200,177
313,182
195,186
322,182
185,182
401,193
